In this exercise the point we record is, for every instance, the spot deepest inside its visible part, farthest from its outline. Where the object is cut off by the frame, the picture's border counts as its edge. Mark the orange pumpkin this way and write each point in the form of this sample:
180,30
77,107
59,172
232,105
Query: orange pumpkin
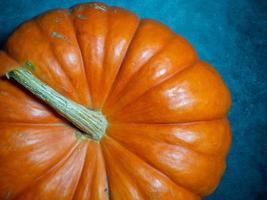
140,118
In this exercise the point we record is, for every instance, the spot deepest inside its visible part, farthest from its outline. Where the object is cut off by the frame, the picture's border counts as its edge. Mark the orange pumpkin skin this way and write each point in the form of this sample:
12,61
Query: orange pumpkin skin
168,134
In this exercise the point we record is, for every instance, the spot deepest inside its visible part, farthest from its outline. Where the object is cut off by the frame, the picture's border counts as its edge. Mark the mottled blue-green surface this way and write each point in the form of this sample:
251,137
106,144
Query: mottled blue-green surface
231,35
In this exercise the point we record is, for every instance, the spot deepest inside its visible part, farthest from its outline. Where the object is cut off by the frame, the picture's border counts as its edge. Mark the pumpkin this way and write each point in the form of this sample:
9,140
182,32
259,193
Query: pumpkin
98,104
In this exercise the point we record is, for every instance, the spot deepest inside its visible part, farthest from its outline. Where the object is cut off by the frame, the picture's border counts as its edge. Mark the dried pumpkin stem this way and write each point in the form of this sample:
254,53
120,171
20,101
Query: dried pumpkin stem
91,123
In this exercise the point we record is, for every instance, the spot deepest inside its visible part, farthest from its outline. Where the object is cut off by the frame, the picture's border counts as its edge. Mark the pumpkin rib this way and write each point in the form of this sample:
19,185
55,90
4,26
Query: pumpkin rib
186,144
108,8
143,160
186,67
95,188
28,147
177,186
118,174
106,171
143,47
205,97
54,167
180,122
71,19
34,124
105,40
123,60
63,19
81,7
80,52
181,144
66,170
56,58
83,169
111,11
37,112
161,49
49,75
121,63
221,160
100,158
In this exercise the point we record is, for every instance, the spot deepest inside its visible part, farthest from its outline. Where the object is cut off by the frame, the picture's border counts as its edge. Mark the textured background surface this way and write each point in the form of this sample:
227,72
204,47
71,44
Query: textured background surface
231,35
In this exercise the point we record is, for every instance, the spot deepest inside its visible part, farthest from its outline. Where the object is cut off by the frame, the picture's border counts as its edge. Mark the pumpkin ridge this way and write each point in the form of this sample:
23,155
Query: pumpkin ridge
56,166
207,94
27,101
80,52
77,77
87,70
153,167
181,142
105,44
105,41
28,139
81,172
121,64
116,170
106,171
100,152
50,77
53,124
178,122
51,167
186,67
161,49
52,49
163,173
133,34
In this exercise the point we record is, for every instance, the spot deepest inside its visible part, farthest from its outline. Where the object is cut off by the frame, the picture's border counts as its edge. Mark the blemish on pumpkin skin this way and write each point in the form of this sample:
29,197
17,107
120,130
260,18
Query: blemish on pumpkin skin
82,17
7,195
99,6
29,65
61,17
106,190
58,20
55,34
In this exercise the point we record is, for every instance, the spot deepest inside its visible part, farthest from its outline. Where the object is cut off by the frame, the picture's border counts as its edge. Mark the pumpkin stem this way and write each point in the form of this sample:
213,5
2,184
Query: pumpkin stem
91,123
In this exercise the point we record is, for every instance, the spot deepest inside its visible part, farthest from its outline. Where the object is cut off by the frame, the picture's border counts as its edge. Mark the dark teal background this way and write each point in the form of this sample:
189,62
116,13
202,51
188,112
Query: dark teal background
232,36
